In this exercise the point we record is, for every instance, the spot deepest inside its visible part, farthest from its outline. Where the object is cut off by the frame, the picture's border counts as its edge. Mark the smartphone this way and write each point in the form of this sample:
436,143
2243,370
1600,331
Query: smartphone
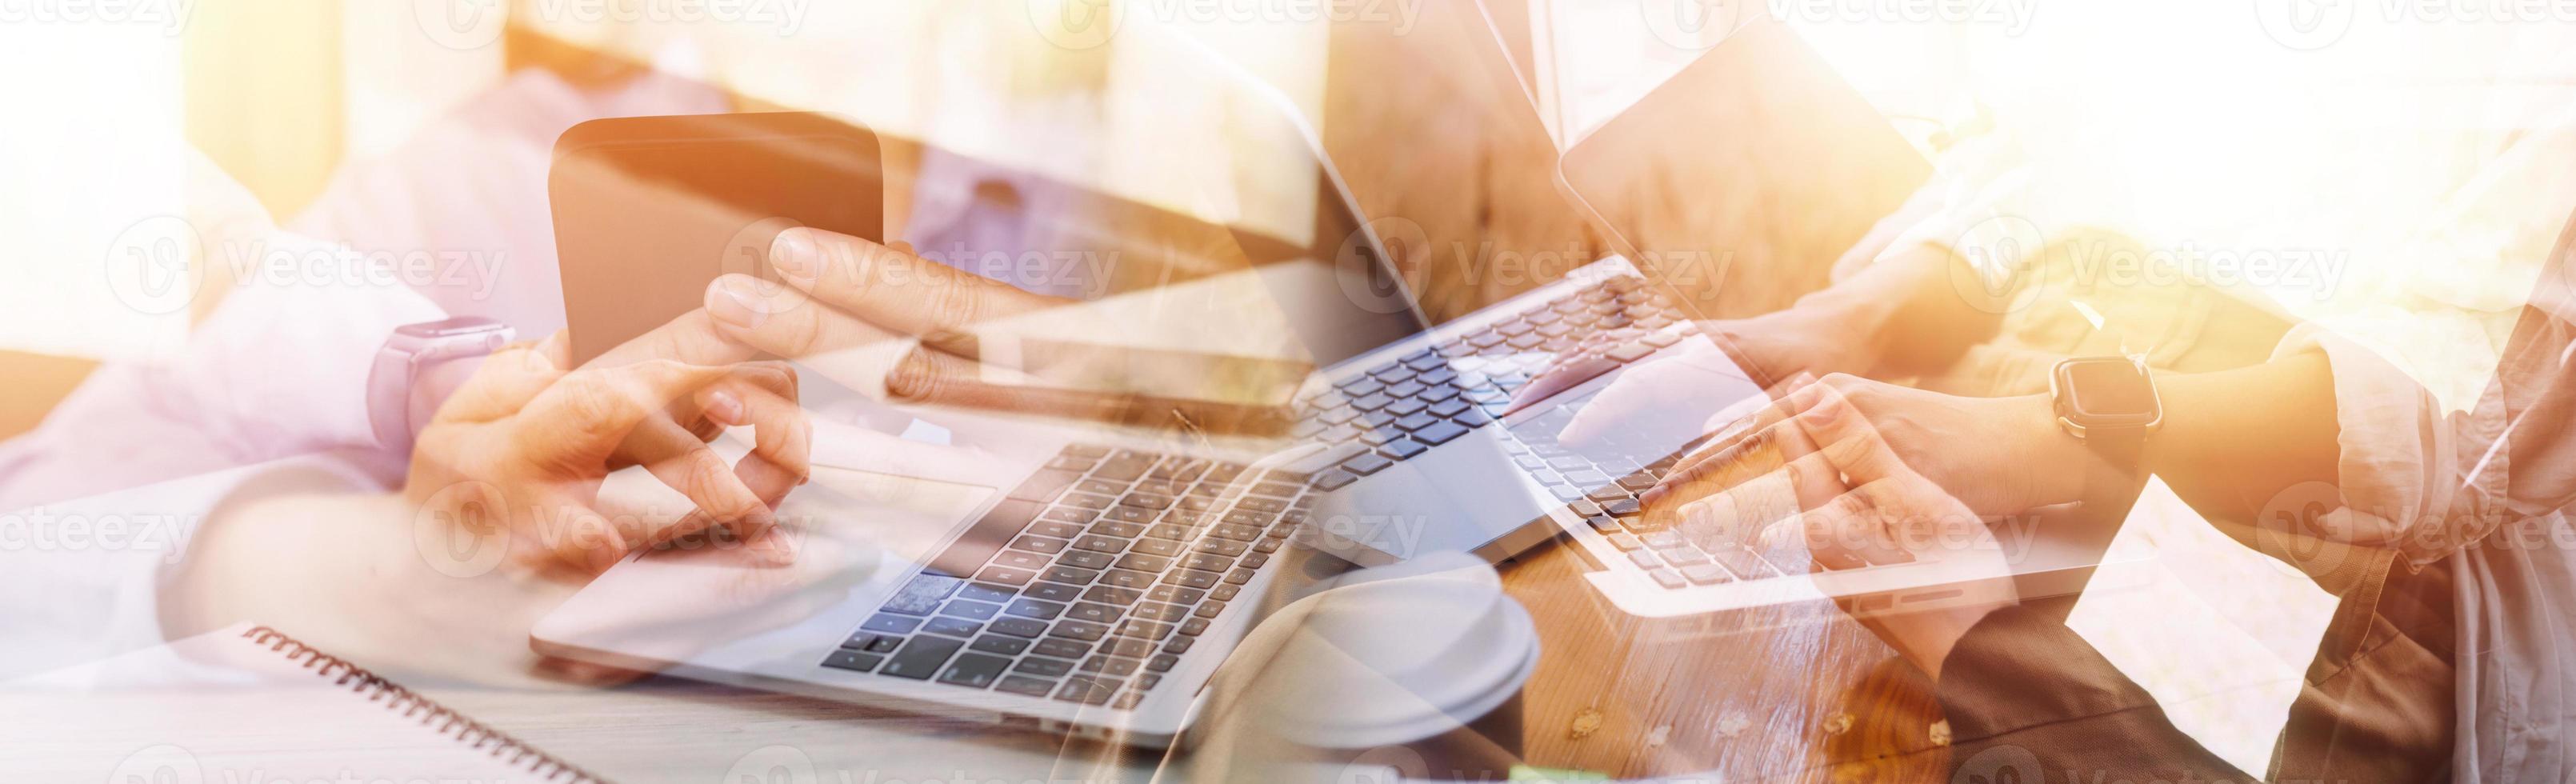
1210,393
649,210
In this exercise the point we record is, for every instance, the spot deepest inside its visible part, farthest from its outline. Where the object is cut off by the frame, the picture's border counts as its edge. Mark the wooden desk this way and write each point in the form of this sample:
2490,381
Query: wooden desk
1811,697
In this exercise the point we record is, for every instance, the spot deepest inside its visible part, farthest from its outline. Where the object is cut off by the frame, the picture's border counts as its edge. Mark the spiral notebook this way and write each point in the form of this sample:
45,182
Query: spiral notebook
247,704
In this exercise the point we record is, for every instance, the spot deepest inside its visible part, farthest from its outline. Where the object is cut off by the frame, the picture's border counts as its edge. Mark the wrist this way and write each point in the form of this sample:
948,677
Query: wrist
2053,458
1850,319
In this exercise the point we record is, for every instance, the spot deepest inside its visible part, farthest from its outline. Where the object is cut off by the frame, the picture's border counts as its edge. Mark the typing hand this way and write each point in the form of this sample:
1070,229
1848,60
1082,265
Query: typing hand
849,304
1887,513
523,447
2000,455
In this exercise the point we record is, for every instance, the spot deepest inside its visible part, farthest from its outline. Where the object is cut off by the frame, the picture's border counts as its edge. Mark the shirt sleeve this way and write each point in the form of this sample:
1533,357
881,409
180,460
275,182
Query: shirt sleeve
103,565
2028,700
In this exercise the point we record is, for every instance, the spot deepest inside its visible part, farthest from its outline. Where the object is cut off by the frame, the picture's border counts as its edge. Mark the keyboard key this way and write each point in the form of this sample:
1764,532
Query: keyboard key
855,661
1144,563
1225,547
1402,448
872,643
1157,547
1208,610
1703,574
1018,627
1192,578
1644,559
891,624
1207,561
1124,522
1179,645
974,670
1006,575
1033,608
967,608
1126,466
995,644
1144,629
1067,575
1095,613
1254,560
953,627
1626,542
1044,486
1159,611
1666,578
922,595
1061,648
1040,665
1085,631
1129,647
1086,501
1085,559
1112,665
1100,544
1022,684
1743,563
1087,691
1238,576
1110,594
1040,544
1124,578
1440,433
1020,560
920,657
1175,594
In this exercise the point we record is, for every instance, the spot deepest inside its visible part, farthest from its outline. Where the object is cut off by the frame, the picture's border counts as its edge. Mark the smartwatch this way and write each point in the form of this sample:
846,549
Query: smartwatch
2110,404
410,353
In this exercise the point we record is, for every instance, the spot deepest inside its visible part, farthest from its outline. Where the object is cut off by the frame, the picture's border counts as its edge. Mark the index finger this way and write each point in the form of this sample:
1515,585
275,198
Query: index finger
890,288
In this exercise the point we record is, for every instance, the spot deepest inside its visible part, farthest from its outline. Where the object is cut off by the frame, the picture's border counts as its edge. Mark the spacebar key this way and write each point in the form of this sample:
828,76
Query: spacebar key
964,557
1324,459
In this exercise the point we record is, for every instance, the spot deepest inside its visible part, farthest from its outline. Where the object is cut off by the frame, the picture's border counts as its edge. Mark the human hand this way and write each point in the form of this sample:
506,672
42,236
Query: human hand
2000,456
1888,513
848,303
523,447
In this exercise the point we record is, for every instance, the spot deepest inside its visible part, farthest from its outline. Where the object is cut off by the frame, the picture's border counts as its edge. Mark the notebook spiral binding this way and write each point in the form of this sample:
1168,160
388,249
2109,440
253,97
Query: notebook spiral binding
438,718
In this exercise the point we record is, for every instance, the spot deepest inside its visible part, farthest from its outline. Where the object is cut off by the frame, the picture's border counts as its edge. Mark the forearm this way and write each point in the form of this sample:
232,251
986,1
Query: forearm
1912,310
2234,439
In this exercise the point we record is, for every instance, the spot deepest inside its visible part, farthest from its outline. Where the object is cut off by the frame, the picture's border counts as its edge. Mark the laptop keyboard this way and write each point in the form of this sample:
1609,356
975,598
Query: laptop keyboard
1430,397
1092,594
1101,570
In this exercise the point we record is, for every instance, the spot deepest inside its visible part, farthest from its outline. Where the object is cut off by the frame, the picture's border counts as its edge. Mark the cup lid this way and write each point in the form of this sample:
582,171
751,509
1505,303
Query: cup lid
1398,654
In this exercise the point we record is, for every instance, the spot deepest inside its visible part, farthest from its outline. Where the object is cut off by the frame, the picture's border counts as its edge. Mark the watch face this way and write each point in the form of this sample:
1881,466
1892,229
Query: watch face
2108,391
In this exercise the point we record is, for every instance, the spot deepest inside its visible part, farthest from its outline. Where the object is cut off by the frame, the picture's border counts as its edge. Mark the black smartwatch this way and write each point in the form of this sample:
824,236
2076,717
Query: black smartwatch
2110,404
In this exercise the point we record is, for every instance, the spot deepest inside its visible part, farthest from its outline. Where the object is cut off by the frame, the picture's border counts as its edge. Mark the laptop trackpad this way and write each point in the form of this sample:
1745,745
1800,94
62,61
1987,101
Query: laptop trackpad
1454,498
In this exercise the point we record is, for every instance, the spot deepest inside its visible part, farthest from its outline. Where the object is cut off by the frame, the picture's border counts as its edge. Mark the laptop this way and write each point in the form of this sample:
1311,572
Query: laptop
1089,582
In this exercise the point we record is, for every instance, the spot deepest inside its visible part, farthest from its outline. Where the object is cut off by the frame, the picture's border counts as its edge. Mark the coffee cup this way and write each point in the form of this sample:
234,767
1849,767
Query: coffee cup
1415,669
